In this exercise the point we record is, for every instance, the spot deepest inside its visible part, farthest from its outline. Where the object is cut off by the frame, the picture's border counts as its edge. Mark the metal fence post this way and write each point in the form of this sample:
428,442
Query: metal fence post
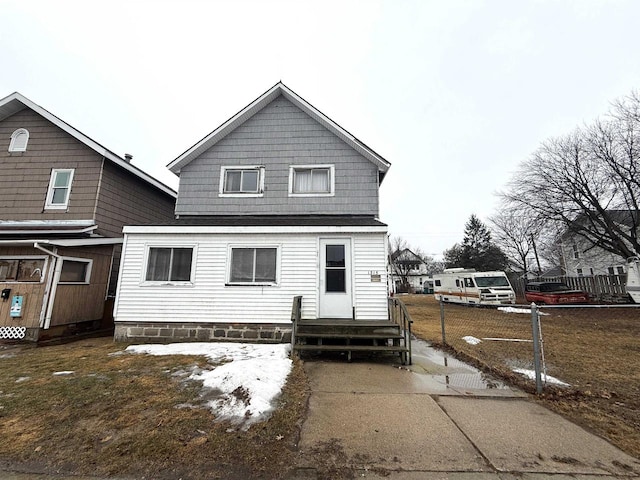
535,320
444,339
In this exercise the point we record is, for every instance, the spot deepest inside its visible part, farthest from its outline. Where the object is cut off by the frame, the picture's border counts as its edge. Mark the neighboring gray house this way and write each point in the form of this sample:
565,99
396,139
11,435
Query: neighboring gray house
64,200
278,201
581,258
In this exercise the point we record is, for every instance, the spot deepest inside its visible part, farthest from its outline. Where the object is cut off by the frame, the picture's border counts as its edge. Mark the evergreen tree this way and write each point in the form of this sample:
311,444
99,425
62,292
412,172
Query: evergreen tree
477,249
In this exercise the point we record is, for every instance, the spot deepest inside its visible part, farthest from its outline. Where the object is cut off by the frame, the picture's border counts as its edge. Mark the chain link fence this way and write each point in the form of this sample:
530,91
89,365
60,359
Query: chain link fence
559,346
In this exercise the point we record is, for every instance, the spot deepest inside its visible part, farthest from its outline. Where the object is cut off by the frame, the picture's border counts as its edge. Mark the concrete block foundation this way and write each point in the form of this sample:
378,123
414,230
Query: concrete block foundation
202,332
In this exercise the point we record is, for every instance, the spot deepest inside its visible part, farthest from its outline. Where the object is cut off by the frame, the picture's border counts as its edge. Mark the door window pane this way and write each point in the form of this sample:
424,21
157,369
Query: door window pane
336,280
335,256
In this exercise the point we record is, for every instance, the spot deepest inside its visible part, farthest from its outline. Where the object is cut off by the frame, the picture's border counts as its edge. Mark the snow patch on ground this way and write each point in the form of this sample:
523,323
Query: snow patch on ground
518,310
249,380
531,374
471,340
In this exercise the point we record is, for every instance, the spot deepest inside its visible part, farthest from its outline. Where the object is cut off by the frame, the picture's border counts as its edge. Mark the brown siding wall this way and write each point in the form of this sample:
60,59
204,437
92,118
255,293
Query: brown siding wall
78,303
32,292
25,176
125,200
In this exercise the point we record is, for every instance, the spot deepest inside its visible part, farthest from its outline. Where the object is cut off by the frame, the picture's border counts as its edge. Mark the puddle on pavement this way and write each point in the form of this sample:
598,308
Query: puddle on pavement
439,369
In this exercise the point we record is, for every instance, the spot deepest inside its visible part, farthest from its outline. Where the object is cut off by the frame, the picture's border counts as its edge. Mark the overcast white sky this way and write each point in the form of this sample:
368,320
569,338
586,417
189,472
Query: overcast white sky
453,93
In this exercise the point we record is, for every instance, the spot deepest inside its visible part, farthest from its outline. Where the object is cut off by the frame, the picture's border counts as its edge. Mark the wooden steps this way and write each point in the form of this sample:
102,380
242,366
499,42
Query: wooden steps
348,336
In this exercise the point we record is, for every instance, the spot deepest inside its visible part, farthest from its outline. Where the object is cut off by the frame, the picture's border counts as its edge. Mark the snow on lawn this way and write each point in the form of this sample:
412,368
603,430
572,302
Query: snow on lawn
518,310
471,340
250,380
531,375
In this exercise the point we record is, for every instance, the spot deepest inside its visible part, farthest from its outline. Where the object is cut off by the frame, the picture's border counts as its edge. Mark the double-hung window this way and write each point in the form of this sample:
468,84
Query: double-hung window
311,180
169,264
253,265
59,189
242,181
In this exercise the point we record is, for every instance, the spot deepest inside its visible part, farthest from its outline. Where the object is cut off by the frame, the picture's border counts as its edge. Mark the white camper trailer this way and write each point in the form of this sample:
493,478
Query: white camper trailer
633,278
465,285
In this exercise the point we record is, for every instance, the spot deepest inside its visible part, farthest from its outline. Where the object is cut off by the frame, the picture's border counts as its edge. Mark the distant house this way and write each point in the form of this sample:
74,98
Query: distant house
64,200
277,202
409,271
581,258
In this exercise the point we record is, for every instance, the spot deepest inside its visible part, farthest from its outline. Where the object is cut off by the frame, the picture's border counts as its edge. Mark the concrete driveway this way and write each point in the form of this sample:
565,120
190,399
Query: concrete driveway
439,419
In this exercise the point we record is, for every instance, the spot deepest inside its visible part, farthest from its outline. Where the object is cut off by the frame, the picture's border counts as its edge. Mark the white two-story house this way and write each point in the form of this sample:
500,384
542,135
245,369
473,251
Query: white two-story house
277,202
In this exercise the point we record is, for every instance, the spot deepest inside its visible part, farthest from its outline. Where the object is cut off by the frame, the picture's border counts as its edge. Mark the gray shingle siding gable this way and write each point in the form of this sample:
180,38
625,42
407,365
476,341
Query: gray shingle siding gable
278,136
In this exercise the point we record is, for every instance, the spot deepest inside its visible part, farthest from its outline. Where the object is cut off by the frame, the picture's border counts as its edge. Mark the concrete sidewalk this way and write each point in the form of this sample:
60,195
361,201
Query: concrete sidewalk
440,419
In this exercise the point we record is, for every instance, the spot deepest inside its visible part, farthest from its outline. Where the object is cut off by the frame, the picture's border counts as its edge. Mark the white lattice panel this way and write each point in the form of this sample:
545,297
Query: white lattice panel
13,333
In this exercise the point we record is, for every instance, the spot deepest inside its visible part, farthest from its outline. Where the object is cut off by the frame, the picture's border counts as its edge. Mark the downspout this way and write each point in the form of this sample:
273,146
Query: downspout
52,286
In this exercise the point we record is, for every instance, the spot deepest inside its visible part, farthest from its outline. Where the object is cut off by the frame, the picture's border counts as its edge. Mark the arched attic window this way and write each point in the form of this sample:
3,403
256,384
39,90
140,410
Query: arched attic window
19,140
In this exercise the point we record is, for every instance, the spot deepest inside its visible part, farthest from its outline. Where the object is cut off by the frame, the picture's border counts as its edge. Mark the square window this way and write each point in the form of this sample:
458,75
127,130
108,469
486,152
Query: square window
75,271
242,181
310,180
166,264
253,265
59,189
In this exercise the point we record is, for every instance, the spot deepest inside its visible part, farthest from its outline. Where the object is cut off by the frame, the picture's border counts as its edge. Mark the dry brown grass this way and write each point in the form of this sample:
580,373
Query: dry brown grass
119,415
596,351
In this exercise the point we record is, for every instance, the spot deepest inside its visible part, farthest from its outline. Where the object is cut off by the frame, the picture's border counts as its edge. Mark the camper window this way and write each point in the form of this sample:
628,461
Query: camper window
492,282
468,282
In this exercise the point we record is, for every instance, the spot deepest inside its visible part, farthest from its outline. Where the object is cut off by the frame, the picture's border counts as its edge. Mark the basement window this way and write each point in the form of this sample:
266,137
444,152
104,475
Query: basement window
19,140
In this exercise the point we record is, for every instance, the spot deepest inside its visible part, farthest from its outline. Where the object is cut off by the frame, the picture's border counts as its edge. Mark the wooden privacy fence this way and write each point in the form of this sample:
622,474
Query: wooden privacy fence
599,286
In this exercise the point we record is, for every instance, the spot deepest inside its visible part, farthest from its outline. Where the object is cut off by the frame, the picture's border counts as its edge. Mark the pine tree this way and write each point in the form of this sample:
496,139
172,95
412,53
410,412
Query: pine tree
477,249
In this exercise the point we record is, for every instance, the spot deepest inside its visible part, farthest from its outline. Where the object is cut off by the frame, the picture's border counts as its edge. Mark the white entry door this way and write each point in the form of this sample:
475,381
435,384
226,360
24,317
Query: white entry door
336,299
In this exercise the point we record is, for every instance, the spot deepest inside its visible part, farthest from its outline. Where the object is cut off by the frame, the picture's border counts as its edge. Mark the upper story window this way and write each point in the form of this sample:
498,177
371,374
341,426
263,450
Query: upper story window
311,180
19,140
576,253
59,189
169,264
242,181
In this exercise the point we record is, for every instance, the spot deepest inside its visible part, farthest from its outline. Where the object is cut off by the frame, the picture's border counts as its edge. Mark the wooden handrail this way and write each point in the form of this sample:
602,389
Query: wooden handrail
296,314
398,314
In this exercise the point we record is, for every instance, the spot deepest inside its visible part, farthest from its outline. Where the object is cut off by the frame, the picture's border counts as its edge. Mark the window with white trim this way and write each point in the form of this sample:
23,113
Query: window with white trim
22,269
576,253
169,264
19,140
59,188
75,270
242,181
253,265
311,180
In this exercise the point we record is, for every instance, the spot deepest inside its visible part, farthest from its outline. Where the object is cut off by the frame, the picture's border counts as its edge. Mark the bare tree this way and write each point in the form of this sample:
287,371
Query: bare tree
587,182
516,232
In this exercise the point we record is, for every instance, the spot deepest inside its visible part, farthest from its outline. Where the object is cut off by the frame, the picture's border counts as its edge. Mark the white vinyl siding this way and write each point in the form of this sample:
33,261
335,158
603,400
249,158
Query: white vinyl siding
211,299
